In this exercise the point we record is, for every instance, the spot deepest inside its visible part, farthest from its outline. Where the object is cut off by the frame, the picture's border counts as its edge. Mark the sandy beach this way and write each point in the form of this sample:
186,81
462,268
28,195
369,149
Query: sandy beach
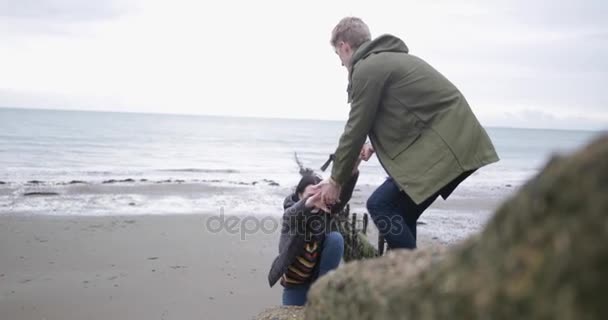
153,266
144,267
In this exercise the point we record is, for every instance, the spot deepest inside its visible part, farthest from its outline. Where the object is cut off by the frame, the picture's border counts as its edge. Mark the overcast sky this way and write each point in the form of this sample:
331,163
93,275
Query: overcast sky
519,63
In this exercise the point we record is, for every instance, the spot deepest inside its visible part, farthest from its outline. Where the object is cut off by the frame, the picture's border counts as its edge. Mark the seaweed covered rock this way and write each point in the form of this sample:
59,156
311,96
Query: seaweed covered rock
356,243
281,313
544,255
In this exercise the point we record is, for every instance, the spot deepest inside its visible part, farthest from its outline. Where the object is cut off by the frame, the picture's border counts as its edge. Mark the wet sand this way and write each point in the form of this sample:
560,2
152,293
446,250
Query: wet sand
161,266
144,267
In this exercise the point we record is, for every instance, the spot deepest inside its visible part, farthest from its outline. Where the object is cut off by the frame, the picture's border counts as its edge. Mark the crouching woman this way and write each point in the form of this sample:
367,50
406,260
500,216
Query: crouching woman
310,245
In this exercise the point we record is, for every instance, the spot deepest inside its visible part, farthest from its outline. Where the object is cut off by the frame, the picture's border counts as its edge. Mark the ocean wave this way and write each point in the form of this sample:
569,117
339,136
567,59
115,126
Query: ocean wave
132,181
198,170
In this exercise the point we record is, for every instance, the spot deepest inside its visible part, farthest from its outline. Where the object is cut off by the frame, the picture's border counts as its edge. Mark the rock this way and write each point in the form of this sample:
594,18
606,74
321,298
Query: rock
118,181
29,194
508,185
271,183
282,313
76,182
542,256
2,182
362,289
143,180
356,244
132,204
35,182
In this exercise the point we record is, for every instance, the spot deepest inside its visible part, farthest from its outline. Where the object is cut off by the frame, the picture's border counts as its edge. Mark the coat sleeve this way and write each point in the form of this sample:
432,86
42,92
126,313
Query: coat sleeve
366,96
346,193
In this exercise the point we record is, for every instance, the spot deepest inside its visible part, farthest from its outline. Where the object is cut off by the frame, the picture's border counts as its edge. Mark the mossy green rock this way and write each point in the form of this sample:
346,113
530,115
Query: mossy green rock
544,255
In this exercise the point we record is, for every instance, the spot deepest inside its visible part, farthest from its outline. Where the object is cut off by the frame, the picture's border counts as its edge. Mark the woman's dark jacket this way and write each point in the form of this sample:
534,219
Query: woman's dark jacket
300,225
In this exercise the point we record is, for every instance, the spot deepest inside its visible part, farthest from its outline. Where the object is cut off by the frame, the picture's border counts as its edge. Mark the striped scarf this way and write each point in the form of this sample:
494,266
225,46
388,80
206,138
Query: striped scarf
301,270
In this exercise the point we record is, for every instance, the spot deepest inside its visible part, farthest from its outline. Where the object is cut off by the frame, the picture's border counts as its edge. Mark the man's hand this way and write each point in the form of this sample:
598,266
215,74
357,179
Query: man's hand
329,191
366,152
316,201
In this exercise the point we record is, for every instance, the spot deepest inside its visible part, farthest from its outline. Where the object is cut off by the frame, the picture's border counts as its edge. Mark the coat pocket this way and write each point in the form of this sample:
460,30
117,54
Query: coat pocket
421,155
394,149
397,132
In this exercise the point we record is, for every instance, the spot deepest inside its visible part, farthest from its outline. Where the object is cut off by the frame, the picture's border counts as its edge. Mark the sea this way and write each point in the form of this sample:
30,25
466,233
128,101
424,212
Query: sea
109,163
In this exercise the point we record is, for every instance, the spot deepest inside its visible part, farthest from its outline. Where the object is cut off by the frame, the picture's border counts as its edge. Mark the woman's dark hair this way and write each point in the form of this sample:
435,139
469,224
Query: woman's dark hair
307,180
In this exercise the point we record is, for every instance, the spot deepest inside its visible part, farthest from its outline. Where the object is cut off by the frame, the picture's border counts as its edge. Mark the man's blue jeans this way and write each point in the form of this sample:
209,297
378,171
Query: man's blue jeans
395,214
331,255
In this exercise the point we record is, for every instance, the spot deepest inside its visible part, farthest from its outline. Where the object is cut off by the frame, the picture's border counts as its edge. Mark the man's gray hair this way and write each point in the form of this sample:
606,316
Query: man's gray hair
351,30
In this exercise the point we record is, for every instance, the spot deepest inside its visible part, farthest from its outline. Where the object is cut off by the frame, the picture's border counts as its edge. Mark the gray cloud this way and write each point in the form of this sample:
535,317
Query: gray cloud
560,14
544,54
60,10
506,55
56,17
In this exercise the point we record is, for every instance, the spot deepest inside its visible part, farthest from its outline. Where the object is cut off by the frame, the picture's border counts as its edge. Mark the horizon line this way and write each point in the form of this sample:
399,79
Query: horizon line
258,117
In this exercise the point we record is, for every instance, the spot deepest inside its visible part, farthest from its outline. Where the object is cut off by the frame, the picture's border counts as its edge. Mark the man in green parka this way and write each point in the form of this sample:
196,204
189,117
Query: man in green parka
419,124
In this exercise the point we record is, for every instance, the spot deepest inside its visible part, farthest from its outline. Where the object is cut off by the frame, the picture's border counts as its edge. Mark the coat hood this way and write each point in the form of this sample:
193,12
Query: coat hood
290,200
383,43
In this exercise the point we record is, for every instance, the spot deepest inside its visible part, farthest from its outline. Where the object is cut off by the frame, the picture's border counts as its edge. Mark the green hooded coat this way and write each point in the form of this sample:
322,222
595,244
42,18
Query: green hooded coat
422,128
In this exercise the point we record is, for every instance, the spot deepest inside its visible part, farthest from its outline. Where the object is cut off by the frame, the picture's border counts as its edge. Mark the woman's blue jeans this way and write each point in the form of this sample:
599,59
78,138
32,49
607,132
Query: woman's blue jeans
331,255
